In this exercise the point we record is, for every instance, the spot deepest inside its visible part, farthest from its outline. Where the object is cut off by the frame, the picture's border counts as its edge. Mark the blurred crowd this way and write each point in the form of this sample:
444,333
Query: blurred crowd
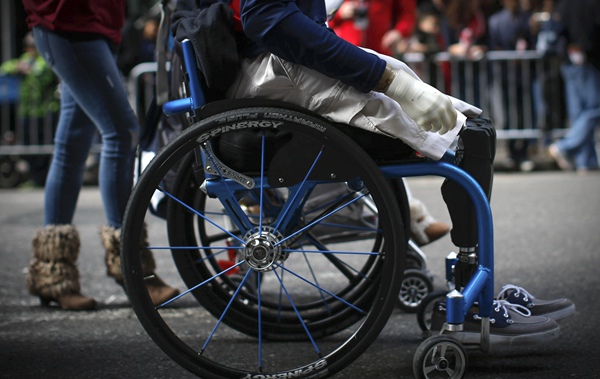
564,33
464,29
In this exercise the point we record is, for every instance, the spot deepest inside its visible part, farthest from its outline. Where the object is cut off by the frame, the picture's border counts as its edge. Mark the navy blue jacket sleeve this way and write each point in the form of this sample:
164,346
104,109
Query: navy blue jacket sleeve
296,31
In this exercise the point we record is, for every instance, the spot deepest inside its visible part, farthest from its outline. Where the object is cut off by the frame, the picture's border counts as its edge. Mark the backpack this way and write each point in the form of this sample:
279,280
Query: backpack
214,29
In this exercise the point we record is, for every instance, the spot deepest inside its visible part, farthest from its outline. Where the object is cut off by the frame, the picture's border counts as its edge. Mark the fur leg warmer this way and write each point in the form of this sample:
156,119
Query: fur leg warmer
53,271
111,241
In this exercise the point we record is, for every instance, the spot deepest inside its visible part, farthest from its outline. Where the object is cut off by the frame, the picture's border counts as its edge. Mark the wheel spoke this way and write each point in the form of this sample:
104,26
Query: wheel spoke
224,272
322,289
315,222
300,319
209,338
200,214
287,207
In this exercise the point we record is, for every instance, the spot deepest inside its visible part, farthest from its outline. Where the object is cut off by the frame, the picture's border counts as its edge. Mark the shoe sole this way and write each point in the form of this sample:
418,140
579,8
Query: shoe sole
560,159
472,338
560,314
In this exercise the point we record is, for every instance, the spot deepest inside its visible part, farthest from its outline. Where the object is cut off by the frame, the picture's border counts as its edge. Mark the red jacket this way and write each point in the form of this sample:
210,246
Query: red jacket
90,17
383,16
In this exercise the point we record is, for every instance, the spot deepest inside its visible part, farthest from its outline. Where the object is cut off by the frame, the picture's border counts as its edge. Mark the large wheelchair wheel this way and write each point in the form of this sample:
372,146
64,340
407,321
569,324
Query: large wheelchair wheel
260,250
356,223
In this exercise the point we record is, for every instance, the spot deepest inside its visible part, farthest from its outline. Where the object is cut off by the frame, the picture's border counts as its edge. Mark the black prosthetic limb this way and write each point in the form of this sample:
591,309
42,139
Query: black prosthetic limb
475,154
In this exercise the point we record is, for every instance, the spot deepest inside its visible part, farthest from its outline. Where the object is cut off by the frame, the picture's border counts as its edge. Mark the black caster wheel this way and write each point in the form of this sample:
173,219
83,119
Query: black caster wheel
425,309
440,357
416,285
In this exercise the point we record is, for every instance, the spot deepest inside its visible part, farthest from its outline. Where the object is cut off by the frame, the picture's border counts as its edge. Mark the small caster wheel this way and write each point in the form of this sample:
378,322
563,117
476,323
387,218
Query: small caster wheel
415,286
425,309
440,357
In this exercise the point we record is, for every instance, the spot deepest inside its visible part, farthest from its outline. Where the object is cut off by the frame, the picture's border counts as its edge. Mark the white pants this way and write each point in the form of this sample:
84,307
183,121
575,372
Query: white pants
271,77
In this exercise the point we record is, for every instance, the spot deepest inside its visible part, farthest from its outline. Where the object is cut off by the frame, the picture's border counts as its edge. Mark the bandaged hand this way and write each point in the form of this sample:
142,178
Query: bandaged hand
425,105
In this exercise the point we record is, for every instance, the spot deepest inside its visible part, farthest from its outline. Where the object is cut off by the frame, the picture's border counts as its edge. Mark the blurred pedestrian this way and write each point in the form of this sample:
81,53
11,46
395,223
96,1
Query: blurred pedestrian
78,40
550,105
138,44
509,30
581,74
427,38
38,104
464,29
380,25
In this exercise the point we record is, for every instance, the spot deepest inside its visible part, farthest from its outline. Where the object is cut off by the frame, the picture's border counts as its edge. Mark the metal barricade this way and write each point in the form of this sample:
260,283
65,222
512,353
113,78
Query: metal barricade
521,91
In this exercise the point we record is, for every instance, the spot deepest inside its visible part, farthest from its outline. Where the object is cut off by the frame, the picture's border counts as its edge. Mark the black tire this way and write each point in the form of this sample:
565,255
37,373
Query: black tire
416,285
440,357
278,256
425,309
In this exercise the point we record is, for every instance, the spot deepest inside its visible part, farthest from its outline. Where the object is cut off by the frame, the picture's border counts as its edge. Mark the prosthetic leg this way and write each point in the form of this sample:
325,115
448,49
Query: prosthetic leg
475,154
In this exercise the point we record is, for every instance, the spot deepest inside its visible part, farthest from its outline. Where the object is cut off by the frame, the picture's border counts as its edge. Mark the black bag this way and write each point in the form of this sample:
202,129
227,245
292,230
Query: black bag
212,34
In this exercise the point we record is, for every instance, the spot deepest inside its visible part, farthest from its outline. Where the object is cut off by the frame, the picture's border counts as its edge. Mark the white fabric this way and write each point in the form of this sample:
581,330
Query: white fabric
271,77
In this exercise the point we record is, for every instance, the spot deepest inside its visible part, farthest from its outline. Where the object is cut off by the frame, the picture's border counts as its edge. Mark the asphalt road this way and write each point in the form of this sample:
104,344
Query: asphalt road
547,238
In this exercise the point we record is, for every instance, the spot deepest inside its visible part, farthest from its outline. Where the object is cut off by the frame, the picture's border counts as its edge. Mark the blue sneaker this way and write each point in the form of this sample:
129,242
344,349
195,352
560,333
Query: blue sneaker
555,309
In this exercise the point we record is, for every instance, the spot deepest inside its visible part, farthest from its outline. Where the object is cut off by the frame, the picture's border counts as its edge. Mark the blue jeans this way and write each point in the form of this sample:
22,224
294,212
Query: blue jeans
93,99
582,87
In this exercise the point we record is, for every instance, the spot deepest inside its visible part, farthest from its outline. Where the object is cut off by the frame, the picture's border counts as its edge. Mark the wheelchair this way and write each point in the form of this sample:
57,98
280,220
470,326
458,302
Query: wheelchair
269,263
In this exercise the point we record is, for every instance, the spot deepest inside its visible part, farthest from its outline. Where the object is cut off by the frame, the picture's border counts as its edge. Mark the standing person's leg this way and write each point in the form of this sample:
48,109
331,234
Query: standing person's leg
101,94
53,273
582,144
88,68
98,88
73,140
572,76
582,87
586,156
591,154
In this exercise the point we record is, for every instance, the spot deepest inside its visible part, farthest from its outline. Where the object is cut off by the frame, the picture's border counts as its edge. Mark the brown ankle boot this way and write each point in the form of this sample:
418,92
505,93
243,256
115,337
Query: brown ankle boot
52,273
158,290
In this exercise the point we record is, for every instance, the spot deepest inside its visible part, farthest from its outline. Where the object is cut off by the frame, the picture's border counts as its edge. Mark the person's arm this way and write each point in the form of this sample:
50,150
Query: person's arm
406,17
13,66
396,39
282,29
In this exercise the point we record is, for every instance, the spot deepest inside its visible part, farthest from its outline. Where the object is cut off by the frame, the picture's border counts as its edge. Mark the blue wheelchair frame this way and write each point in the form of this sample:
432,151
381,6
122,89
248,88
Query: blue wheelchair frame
480,287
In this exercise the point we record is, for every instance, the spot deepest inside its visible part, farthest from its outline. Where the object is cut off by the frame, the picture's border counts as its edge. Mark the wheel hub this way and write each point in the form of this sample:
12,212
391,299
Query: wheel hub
262,250
441,364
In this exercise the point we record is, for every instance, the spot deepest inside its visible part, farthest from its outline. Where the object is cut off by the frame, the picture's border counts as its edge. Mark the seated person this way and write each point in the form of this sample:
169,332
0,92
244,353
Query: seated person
290,54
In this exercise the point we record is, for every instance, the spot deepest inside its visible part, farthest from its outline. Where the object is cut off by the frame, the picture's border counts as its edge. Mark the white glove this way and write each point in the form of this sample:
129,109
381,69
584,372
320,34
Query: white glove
425,105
